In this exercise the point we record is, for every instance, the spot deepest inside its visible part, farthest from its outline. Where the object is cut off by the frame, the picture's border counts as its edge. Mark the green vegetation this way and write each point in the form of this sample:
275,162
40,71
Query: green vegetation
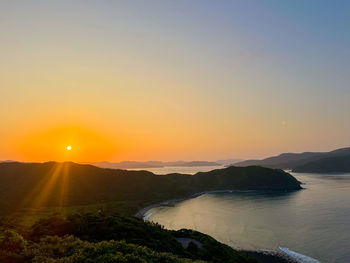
104,230
109,238
32,186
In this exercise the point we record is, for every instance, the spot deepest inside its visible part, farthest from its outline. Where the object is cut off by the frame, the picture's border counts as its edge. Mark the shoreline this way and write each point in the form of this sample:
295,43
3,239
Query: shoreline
270,256
266,256
142,212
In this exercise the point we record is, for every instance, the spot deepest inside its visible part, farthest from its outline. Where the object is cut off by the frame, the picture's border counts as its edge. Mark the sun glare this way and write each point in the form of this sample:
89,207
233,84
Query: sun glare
69,148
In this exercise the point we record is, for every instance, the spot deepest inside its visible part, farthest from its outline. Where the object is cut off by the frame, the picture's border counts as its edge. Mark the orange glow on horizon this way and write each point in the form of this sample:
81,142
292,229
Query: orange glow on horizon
56,145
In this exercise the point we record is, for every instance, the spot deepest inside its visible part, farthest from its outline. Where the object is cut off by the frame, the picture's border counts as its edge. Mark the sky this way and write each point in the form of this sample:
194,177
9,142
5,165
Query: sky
172,80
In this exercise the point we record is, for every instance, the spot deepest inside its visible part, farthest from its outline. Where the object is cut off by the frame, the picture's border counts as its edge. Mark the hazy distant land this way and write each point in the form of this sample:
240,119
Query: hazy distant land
160,164
337,161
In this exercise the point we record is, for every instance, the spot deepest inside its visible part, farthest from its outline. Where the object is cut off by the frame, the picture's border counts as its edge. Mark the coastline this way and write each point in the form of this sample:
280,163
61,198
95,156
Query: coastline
142,212
265,256
270,256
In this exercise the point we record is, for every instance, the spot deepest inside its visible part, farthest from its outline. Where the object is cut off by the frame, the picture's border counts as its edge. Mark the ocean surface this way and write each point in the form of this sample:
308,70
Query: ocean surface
314,222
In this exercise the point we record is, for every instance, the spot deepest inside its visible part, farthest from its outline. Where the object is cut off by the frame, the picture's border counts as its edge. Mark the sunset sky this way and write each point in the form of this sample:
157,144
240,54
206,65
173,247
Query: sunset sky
172,80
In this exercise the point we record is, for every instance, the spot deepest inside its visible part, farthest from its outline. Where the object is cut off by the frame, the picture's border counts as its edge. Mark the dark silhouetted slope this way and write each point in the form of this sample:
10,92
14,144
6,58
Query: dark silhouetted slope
337,164
245,178
293,160
34,185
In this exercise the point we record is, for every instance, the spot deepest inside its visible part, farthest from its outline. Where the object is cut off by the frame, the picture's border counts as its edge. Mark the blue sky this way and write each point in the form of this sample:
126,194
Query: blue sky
224,78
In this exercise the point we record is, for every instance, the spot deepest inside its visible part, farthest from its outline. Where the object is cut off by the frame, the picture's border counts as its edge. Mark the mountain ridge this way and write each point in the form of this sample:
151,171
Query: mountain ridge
35,185
291,161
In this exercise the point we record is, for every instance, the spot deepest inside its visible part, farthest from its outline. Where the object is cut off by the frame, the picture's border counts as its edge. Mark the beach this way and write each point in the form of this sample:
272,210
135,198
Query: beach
266,256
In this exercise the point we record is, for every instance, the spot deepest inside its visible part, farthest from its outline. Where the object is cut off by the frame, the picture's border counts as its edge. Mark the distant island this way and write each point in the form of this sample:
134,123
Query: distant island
151,164
160,164
337,161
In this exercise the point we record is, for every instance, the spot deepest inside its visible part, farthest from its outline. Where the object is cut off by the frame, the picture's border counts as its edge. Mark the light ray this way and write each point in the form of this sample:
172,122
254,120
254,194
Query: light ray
64,186
41,193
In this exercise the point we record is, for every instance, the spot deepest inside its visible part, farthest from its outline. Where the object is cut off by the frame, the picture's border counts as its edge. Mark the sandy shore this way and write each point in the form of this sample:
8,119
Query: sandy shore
142,212
267,256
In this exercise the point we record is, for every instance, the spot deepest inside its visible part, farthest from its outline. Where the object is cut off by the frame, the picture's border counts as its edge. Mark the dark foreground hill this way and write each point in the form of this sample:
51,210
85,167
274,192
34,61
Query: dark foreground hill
35,185
103,236
297,161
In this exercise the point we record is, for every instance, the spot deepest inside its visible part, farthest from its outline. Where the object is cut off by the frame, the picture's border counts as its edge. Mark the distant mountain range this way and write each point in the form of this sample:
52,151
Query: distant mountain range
153,164
226,162
337,161
159,164
335,164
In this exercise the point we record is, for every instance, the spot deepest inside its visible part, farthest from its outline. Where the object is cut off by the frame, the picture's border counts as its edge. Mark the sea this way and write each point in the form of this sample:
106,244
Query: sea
311,225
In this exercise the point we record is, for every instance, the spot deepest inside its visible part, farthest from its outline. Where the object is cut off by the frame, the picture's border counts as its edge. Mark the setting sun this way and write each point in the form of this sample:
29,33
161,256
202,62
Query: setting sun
69,148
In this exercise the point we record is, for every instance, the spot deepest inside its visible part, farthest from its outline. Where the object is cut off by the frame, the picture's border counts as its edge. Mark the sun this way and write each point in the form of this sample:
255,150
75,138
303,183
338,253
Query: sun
69,148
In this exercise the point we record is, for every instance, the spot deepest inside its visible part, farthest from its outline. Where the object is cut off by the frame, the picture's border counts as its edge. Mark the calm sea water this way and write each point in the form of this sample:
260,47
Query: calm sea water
314,222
